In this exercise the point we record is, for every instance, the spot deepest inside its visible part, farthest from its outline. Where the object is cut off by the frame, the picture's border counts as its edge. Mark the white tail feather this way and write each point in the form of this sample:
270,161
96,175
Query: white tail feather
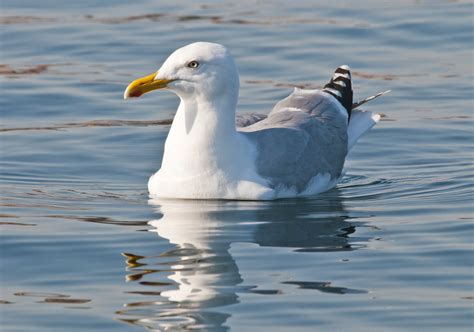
359,124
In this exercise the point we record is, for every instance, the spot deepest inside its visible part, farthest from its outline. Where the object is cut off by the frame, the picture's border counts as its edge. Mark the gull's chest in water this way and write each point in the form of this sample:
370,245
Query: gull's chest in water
205,170
211,185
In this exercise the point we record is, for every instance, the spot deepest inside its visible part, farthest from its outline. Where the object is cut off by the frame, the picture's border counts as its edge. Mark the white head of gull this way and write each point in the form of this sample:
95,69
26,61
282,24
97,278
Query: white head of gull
297,150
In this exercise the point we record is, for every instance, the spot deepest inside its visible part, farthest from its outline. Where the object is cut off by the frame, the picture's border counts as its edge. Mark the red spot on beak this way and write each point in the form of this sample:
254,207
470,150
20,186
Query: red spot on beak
135,94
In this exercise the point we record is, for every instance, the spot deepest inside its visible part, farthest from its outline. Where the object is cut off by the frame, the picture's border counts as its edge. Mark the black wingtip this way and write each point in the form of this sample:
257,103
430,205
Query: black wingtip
340,87
363,101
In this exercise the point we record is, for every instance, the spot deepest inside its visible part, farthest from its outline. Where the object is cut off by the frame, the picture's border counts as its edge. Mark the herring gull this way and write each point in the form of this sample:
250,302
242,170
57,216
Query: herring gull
298,149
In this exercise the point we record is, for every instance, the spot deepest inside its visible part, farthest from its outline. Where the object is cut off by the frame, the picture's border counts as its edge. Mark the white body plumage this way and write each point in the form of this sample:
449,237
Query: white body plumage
206,157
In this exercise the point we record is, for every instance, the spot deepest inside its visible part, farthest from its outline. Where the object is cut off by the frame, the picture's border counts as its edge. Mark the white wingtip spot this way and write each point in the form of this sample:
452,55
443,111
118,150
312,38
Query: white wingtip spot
337,93
376,117
336,75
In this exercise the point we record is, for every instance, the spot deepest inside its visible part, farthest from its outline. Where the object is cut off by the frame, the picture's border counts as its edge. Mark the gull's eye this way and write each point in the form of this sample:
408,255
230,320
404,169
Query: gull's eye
193,64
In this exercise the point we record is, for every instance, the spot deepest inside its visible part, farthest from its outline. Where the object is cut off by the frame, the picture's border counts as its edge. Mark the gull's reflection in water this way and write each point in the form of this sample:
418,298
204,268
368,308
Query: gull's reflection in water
187,287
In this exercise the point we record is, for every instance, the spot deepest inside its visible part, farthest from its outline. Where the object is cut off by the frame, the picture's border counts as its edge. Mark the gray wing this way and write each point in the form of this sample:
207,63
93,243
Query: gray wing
247,119
304,135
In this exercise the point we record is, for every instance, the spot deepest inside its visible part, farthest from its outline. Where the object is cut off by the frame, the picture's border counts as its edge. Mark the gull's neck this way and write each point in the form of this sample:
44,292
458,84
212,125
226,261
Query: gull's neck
209,117
203,137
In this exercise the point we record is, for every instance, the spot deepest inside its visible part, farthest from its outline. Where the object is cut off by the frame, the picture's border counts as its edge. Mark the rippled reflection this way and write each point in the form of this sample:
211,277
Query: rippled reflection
189,286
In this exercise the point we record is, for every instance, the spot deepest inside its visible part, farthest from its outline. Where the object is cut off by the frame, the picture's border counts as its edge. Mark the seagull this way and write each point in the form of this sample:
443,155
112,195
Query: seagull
298,149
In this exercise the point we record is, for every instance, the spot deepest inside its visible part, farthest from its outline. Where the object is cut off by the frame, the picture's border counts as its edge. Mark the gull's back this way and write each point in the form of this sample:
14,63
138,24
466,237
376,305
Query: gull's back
305,135
302,145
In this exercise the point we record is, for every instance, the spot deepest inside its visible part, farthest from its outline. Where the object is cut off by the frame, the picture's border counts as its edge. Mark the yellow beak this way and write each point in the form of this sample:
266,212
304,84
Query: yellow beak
144,85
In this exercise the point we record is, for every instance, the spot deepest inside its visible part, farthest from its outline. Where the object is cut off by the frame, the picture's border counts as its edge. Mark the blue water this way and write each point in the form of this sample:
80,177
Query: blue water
84,249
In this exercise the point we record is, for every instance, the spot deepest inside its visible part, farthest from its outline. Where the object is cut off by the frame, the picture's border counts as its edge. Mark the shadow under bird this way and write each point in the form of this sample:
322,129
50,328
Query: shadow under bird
298,149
